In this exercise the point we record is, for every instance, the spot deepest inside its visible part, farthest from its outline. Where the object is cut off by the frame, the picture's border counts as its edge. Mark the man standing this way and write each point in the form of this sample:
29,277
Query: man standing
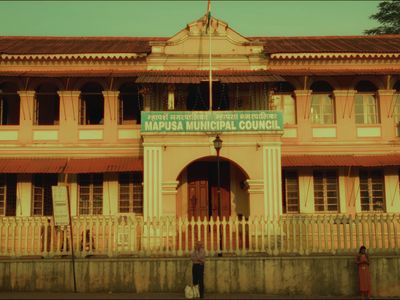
198,258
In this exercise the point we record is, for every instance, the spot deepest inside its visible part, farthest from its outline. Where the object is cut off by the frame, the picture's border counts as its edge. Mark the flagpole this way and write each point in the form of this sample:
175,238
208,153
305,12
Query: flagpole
209,56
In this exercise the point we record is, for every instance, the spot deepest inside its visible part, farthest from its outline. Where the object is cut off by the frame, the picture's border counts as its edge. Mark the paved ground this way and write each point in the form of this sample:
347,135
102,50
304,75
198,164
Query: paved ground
44,295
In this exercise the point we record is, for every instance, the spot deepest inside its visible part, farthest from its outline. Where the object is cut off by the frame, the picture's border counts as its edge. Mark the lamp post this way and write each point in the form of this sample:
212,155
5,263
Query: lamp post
218,145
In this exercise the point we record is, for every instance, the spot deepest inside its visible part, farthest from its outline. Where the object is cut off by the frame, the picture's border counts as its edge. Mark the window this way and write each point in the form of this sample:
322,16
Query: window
366,104
372,190
8,188
9,104
47,105
198,96
131,193
130,104
396,98
282,99
90,194
42,195
326,191
290,188
91,105
322,103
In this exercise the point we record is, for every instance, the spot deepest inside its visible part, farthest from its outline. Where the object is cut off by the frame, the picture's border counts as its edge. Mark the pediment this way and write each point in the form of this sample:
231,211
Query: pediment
194,40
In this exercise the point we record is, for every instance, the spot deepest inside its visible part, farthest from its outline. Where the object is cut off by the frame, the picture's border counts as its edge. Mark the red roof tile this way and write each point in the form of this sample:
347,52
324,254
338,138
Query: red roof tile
340,160
32,165
377,43
196,76
104,164
76,45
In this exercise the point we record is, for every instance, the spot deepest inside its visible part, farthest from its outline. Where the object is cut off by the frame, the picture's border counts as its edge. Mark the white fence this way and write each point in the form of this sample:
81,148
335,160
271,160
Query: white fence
127,235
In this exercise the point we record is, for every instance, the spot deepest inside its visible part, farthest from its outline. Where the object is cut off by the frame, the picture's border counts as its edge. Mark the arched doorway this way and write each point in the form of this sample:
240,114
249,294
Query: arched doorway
202,189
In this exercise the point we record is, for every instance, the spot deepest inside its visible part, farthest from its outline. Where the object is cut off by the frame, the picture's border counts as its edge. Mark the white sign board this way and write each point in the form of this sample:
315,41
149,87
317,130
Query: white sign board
60,205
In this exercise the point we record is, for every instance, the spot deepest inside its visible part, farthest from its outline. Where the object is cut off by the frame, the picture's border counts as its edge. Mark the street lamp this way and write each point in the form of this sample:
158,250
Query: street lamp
218,145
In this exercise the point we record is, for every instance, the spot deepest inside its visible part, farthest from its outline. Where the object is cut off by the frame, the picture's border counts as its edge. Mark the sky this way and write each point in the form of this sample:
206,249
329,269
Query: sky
165,18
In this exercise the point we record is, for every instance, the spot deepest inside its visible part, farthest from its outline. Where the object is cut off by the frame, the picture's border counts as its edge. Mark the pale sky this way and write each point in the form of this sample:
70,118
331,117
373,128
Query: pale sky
165,18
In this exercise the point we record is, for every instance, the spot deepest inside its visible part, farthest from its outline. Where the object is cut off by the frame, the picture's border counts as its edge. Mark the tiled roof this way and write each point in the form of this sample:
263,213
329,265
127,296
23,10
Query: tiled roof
375,44
196,76
75,45
69,45
340,160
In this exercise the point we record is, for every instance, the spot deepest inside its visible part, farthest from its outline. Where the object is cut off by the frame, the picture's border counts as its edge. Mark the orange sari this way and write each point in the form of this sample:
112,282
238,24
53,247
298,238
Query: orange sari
364,276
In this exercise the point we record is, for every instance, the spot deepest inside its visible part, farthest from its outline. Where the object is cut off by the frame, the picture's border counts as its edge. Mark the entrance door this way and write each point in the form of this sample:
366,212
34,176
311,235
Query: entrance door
203,187
198,191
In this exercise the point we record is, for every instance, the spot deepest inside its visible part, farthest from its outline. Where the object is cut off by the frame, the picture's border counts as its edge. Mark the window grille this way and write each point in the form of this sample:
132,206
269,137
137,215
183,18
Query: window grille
396,111
322,109
372,190
286,104
366,109
326,191
42,195
8,189
131,193
90,194
290,192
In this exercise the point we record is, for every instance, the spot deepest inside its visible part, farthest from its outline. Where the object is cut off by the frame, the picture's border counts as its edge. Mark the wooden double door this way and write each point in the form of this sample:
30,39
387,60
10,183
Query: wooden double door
203,189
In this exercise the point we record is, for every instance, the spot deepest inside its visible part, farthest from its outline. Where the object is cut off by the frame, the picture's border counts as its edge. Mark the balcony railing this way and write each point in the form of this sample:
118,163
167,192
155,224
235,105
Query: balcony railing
126,235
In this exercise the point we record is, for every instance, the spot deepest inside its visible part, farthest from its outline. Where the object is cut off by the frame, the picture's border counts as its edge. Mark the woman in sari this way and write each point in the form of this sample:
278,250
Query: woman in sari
364,277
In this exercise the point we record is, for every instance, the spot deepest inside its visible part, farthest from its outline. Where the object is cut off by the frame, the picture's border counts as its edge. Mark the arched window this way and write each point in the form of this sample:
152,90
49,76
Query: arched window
396,98
282,99
366,105
322,103
47,105
9,104
130,104
92,104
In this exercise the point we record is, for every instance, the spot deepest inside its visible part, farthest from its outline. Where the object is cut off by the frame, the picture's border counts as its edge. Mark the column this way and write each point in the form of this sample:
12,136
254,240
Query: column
26,116
69,116
272,180
110,194
386,103
169,198
152,202
256,197
110,116
306,191
303,112
392,197
24,195
345,117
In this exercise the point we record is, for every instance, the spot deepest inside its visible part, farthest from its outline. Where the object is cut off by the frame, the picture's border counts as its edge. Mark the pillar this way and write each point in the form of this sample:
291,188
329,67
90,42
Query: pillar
110,116
69,116
272,180
152,205
26,116
386,103
24,195
345,117
303,113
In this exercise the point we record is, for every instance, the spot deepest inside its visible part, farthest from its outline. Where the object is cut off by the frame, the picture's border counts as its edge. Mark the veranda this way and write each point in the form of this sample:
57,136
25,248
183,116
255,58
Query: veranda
127,235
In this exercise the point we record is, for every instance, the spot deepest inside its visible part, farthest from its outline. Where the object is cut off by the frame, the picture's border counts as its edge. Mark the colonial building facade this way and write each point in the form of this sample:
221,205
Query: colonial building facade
309,126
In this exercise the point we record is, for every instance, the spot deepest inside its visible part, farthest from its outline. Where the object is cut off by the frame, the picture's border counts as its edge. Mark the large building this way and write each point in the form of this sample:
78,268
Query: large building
309,128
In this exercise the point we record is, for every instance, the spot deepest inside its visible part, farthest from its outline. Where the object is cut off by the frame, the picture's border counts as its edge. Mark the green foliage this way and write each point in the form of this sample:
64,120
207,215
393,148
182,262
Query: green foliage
389,18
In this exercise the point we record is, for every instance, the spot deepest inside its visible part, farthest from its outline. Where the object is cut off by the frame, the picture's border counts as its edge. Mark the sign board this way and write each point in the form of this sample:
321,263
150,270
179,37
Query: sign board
211,121
60,205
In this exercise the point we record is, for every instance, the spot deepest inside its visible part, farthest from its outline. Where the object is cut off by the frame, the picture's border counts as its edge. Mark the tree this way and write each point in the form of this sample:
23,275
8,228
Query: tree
388,16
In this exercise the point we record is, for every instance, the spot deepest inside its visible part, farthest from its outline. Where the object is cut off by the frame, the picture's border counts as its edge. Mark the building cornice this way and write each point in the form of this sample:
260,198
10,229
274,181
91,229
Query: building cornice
71,57
332,55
